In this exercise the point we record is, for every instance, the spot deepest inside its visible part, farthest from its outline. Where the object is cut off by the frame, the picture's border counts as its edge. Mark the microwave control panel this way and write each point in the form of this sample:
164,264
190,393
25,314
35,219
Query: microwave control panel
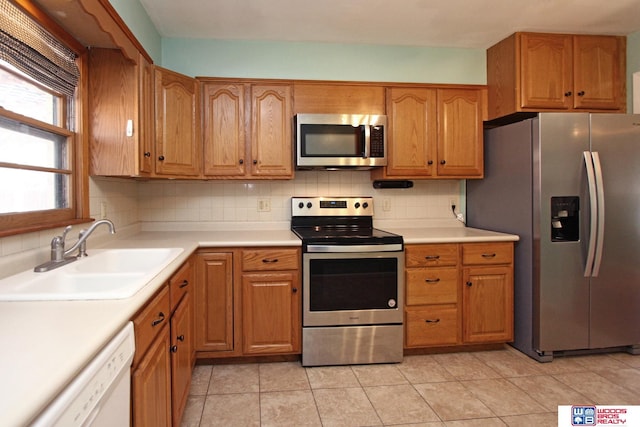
377,141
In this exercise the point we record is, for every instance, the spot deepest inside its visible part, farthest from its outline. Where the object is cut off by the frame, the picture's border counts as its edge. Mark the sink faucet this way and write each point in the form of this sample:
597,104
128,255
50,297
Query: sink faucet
60,256
81,244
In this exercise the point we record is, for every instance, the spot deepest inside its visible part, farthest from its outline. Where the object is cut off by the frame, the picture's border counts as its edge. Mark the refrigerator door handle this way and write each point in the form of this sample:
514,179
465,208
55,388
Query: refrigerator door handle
593,203
600,195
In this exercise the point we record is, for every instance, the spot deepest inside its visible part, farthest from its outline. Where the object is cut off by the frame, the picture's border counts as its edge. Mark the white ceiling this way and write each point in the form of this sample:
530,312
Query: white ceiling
444,23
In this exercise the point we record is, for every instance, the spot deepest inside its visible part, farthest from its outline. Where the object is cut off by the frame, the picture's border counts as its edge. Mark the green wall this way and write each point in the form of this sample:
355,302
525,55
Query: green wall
323,61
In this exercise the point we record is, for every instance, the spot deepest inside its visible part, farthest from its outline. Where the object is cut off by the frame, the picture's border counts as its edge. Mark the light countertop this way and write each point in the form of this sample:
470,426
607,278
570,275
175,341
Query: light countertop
47,343
450,235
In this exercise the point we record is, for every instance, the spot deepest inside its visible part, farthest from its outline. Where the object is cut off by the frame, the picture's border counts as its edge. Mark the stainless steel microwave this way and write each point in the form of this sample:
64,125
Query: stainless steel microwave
335,141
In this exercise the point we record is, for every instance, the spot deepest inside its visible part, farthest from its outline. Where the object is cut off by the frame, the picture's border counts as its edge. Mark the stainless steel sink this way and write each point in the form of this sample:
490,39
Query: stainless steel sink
104,274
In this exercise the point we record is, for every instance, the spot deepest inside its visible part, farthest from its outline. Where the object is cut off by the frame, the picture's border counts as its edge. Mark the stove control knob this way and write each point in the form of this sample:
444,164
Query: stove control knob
309,204
357,205
300,205
365,205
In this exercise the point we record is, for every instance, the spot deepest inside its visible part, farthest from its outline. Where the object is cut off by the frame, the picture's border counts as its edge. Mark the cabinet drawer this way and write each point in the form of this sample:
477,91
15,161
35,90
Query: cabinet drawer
431,255
432,286
487,253
431,325
180,283
149,322
270,259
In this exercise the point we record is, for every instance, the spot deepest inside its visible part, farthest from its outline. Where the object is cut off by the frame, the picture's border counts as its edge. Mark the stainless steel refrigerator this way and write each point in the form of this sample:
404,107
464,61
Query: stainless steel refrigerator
569,185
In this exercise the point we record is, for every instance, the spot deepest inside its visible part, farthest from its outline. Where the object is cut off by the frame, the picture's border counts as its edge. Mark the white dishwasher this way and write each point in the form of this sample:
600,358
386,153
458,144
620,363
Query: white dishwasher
100,395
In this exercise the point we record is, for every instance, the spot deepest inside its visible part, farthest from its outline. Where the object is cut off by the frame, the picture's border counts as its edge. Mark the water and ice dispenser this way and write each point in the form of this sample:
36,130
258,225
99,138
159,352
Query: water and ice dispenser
565,219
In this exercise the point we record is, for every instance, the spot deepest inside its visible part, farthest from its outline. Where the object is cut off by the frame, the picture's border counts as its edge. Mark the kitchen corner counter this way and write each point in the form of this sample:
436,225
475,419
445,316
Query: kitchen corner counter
450,235
49,342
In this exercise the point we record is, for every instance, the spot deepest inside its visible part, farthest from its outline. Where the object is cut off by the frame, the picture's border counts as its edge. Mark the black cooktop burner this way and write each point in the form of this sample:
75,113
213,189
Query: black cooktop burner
346,235
338,221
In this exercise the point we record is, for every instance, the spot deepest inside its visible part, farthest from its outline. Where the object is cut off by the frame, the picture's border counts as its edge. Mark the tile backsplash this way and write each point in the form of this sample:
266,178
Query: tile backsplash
237,201
127,202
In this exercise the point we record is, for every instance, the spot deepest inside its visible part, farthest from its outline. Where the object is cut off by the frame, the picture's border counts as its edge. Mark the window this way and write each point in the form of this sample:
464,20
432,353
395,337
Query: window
39,165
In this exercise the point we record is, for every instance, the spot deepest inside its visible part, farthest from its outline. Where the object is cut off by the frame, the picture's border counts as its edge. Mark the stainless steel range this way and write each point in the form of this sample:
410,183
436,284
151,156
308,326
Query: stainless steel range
352,282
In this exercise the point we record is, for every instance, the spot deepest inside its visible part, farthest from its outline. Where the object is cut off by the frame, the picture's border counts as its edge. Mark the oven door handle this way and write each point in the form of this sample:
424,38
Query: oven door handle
354,248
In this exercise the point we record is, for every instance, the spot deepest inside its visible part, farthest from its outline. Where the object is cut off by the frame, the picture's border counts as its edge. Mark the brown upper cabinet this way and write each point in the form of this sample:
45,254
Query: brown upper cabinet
556,72
434,133
177,118
121,114
460,136
247,130
143,119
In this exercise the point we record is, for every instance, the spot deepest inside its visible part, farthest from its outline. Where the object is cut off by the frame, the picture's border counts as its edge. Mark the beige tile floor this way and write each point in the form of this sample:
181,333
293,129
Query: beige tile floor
484,389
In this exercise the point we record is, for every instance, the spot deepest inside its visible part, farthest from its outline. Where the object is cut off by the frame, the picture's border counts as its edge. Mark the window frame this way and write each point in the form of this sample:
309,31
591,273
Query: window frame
78,210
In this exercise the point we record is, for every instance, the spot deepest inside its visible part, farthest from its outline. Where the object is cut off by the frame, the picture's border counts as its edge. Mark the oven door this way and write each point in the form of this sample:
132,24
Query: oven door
353,288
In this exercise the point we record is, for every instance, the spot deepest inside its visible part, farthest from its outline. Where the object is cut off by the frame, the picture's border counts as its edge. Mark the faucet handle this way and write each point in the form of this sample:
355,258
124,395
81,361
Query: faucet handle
57,245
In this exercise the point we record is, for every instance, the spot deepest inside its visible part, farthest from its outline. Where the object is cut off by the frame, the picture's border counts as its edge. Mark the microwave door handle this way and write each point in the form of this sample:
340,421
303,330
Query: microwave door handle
367,142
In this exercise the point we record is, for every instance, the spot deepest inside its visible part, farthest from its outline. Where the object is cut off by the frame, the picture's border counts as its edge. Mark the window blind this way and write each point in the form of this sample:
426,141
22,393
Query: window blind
32,49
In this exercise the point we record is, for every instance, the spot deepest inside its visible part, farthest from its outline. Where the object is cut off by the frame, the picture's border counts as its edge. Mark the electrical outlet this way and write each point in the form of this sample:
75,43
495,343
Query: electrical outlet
103,210
452,202
386,205
264,205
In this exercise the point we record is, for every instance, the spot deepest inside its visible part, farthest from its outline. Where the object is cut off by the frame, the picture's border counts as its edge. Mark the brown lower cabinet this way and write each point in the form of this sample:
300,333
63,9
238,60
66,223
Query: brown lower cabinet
164,356
458,294
248,302
151,378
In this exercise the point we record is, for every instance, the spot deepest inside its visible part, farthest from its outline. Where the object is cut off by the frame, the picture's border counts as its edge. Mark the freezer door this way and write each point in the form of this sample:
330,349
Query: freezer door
561,292
615,292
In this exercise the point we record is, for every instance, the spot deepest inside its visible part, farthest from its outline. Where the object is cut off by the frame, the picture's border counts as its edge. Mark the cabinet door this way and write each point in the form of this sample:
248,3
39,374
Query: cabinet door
487,301
460,148
271,313
178,147
224,130
546,69
412,132
271,131
599,67
214,329
181,362
151,385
